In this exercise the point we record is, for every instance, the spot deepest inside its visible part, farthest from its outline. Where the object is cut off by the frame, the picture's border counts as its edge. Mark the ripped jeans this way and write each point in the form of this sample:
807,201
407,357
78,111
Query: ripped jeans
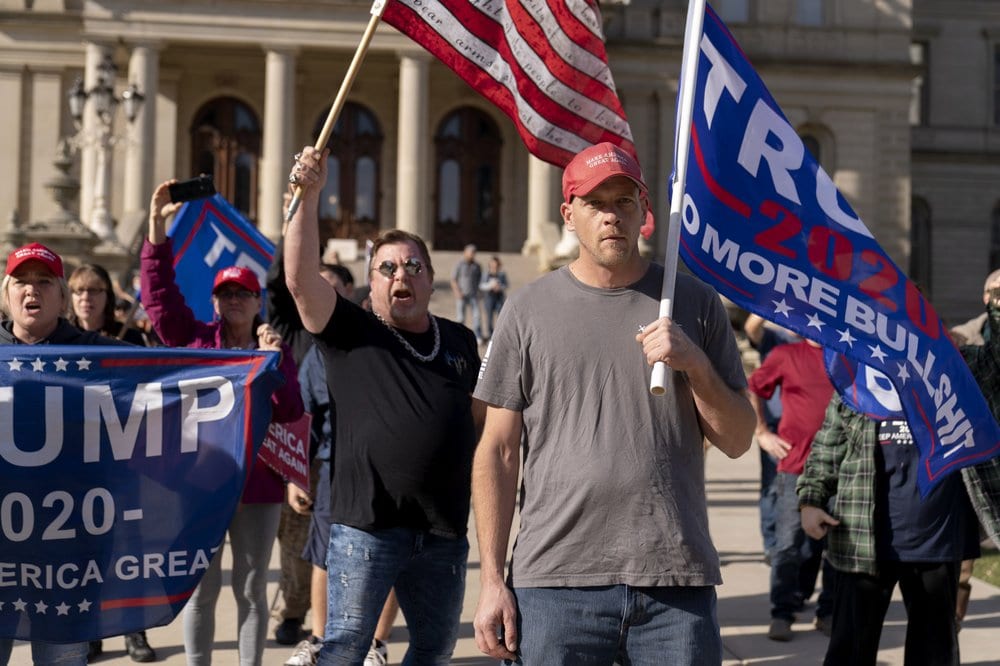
428,573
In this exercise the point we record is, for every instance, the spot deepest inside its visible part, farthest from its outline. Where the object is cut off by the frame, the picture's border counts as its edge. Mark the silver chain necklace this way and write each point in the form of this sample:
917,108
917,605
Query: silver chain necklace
426,358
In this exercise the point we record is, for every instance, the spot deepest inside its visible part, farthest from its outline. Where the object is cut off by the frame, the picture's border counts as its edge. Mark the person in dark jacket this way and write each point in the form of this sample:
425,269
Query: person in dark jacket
92,308
34,298
236,296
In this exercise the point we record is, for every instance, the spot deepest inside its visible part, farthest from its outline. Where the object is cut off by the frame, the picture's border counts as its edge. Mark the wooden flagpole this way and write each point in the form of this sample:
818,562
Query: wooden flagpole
345,87
685,108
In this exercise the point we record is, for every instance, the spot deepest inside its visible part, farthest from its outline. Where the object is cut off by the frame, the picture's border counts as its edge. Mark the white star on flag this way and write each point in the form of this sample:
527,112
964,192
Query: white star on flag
20,605
61,364
815,322
84,606
41,607
877,352
903,373
845,336
38,365
62,609
15,365
83,364
781,307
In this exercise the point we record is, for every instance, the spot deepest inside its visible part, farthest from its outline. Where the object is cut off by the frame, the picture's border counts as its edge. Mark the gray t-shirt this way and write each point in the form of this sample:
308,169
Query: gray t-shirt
613,487
467,274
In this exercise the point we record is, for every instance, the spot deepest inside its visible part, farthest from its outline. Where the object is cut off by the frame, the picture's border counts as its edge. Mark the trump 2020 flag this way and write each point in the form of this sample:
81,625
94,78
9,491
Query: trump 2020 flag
764,224
121,470
207,236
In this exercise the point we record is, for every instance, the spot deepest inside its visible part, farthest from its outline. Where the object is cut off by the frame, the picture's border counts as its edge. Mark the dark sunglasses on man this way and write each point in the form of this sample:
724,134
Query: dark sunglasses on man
410,266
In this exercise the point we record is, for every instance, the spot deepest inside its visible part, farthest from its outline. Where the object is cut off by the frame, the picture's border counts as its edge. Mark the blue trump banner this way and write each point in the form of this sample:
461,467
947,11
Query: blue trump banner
863,388
122,468
764,224
207,236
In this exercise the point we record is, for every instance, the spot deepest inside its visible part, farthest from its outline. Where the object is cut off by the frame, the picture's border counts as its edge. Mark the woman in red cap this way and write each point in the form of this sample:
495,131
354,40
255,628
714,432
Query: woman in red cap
35,299
238,325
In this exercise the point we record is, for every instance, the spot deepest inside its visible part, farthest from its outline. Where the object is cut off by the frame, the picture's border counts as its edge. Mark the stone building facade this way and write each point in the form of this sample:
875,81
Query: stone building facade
898,99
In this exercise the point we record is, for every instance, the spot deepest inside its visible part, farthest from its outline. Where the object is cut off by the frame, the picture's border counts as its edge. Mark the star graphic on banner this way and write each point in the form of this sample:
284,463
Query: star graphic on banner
84,606
815,322
781,307
15,365
38,365
845,336
20,605
878,353
903,373
61,364
41,607
62,609
83,364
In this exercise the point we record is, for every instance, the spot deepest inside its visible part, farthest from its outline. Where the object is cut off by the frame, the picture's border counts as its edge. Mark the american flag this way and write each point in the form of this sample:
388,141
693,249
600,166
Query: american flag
543,63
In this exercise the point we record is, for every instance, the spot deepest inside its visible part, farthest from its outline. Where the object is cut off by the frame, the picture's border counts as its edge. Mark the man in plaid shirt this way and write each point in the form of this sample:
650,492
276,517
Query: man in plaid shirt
883,534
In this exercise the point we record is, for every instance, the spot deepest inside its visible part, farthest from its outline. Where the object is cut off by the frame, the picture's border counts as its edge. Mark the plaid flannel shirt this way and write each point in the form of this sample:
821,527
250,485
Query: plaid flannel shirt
982,481
842,464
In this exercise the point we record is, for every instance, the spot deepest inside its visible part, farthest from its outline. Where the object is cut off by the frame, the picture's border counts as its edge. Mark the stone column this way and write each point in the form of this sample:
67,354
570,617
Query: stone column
279,115
544,222
412,197
12,91
140,148
90,133
47,106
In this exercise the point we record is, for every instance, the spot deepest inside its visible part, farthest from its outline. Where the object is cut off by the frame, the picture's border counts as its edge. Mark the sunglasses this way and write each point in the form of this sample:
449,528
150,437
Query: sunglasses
241,294
411,266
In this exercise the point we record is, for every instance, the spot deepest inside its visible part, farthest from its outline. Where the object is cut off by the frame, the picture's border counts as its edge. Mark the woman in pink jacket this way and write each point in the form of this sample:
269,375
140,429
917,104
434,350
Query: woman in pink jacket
237,301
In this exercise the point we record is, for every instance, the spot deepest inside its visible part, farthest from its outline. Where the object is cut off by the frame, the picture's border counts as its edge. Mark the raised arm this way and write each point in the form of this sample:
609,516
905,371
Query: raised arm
315,298
754,328
494,491
172,319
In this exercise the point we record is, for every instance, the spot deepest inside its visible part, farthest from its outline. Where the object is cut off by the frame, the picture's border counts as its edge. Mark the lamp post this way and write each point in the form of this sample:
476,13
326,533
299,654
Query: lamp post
105,103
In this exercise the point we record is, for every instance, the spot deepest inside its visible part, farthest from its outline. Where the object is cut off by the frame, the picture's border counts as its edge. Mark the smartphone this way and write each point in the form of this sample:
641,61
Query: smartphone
196,188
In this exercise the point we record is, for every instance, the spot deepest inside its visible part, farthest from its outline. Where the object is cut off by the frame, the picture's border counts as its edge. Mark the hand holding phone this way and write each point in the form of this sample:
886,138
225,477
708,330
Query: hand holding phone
195,188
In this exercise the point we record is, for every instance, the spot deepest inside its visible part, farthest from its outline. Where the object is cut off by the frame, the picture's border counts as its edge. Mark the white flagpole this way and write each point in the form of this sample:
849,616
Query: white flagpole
345,86
685,108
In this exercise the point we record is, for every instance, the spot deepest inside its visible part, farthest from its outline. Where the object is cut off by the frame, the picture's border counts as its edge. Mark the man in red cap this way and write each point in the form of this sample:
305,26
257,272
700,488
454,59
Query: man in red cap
613,558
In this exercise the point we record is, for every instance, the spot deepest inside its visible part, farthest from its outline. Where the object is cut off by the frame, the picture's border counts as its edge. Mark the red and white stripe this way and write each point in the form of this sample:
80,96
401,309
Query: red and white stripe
542,62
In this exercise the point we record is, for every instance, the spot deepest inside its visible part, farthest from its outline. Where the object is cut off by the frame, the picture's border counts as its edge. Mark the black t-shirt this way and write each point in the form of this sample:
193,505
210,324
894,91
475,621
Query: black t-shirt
939,528
404,429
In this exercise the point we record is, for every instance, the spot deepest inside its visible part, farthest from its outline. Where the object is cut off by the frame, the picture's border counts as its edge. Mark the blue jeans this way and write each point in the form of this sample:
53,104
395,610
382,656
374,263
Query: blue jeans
428,573
768,470
492,302
794,553
464,302
630,625
46,654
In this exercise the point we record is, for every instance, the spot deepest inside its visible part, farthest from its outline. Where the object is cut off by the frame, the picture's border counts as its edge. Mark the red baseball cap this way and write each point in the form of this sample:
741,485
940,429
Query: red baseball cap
592,166
240,275
35,252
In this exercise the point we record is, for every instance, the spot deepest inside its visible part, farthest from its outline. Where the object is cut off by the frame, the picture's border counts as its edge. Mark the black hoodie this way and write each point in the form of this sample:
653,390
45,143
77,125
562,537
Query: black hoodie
65,333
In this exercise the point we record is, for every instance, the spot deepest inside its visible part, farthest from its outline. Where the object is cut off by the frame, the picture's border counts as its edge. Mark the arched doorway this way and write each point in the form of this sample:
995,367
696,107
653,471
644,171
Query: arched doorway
467,191
349,206
225,143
